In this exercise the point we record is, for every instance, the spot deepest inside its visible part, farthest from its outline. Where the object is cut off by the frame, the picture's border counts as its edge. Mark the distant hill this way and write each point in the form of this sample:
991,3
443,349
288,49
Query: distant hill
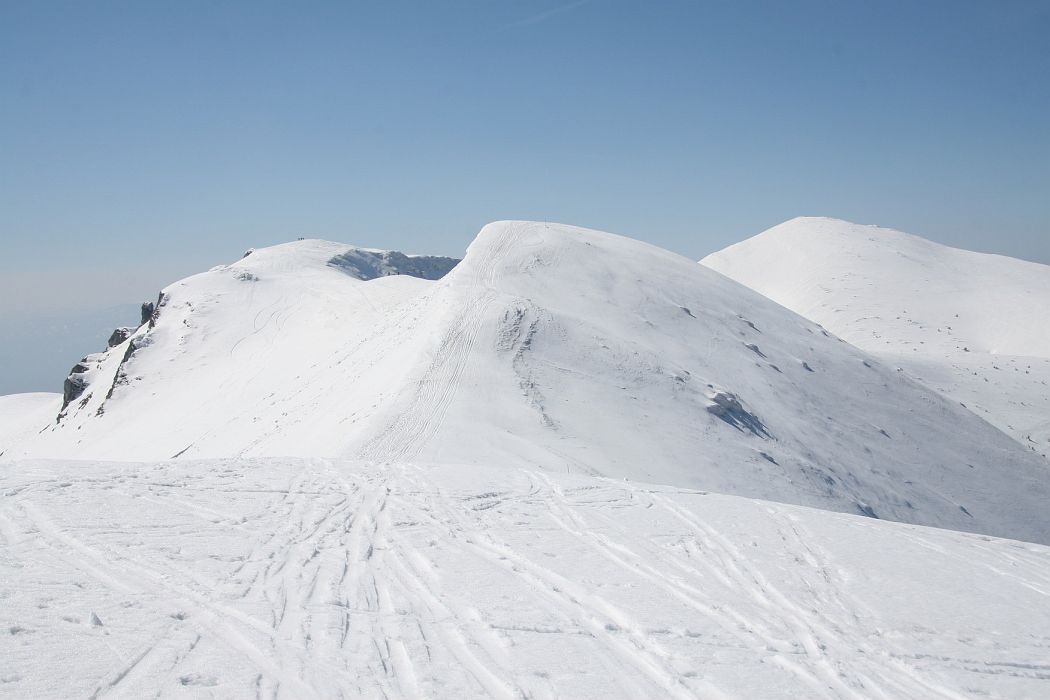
974,327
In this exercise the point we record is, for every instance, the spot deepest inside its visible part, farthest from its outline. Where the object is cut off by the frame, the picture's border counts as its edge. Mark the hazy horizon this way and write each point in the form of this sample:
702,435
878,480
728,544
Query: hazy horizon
143,143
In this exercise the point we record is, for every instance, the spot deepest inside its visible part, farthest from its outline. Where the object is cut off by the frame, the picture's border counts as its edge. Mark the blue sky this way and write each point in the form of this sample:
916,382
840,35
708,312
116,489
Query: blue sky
140,142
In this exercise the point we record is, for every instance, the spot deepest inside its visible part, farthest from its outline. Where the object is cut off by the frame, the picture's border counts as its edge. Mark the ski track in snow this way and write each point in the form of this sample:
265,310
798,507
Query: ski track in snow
408,433
311,578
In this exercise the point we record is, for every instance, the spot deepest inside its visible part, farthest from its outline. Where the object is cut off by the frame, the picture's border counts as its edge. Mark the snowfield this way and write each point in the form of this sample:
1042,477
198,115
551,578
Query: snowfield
316,578
570,465
972,326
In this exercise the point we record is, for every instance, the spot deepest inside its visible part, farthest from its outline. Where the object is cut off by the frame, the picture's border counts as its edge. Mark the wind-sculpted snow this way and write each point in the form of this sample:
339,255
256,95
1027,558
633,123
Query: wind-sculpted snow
548,347
971,326
285,578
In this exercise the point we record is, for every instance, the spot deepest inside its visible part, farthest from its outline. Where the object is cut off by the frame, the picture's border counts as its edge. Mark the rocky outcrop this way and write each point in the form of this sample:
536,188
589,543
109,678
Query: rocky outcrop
151,311
119,335
75,384
726,405
370,264
120,377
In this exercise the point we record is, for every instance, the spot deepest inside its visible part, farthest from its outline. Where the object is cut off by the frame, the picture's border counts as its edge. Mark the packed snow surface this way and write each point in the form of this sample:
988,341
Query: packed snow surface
285,578
973,326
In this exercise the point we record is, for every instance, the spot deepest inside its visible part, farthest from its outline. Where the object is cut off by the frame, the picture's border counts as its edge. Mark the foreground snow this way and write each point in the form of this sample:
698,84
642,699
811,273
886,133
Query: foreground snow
972,326
304,578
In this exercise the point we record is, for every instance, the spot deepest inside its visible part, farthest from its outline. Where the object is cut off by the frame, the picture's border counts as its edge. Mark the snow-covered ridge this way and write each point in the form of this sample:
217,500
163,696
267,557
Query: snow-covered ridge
361,263
973,326
549,346
934,295
298,260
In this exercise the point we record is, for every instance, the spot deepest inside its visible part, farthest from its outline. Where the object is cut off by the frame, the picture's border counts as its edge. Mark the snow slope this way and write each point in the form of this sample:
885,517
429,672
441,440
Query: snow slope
552,347
246,578
23,415
227,352
972,326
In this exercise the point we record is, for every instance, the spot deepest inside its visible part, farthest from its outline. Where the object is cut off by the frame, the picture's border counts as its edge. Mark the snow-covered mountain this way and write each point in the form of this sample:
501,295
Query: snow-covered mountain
547,346
974,327
224,357
569,465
